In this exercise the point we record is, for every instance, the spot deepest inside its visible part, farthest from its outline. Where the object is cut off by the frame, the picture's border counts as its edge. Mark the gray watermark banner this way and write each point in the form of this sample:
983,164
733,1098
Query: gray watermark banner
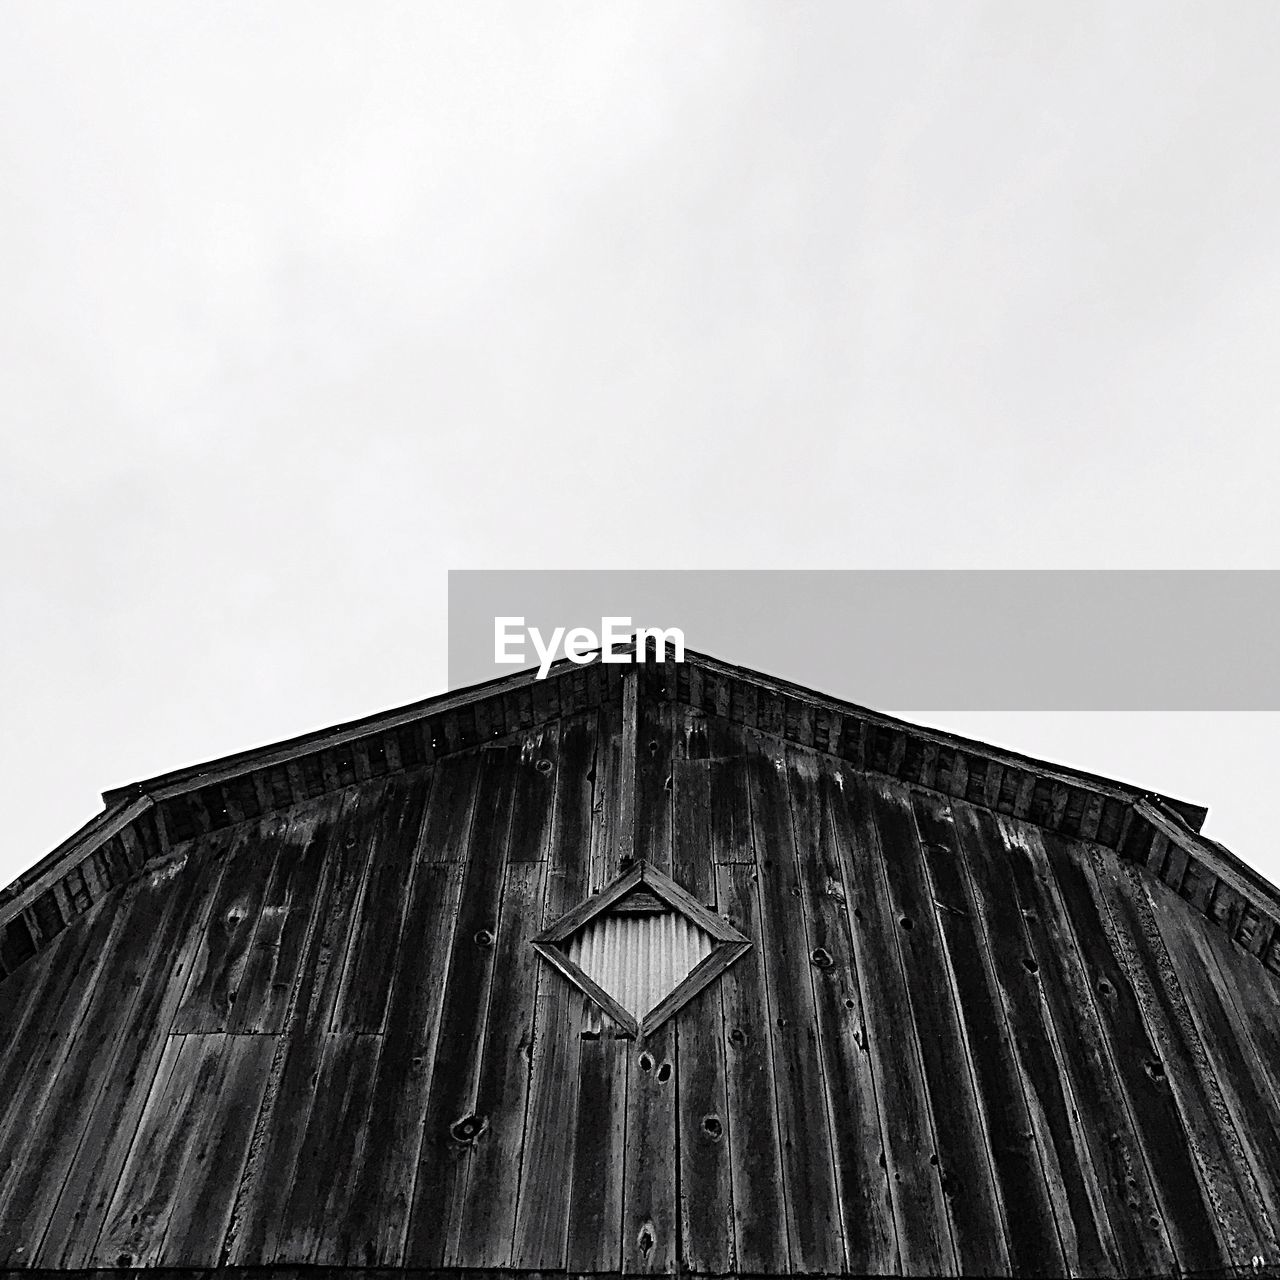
912,640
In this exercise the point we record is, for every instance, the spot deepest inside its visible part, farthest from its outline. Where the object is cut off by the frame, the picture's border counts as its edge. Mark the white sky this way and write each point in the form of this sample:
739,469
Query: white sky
305,304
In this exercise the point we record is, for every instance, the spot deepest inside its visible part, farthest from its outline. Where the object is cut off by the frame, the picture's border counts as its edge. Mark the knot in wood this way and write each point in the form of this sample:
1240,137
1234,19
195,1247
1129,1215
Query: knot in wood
543,766
712,1127
821,958
484,938
468,1128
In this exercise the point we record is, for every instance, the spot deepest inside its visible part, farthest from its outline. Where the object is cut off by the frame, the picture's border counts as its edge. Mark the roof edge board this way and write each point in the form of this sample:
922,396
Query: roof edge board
164,786
1224,864
1193,814
19,894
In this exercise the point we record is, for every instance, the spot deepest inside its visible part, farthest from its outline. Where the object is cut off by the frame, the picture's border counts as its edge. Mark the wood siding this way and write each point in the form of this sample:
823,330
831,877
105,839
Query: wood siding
961,1043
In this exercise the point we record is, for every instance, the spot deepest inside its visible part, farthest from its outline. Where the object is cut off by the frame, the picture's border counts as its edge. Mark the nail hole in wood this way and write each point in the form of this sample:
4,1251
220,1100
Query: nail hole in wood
907,923
849,1004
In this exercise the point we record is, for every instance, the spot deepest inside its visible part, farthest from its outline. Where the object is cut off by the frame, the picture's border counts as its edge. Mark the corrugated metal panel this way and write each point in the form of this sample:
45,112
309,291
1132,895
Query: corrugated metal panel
639,959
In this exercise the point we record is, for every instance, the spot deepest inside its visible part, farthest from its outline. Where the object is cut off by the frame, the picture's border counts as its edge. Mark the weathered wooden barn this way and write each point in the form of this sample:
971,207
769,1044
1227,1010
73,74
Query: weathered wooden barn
647,968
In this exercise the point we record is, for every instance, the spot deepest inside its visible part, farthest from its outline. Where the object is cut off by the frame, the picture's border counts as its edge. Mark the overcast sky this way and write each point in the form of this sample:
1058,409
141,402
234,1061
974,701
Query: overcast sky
304,305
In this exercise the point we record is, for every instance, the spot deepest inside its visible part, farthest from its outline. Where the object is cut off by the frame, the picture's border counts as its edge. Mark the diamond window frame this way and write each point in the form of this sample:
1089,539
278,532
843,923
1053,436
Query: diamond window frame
728,945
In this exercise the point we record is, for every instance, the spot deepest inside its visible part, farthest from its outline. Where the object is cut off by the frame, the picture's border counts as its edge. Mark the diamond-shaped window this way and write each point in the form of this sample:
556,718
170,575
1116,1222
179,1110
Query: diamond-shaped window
641,948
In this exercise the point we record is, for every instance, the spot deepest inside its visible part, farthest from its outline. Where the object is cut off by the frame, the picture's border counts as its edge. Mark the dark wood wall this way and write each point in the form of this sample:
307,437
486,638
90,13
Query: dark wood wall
961,1043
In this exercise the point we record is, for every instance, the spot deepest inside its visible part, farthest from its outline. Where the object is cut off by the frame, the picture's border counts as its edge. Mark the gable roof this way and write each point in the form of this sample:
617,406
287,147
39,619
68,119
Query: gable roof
143,820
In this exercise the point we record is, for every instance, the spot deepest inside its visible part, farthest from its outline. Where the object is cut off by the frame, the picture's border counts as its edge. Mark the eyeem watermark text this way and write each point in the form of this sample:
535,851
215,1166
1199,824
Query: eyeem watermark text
616,641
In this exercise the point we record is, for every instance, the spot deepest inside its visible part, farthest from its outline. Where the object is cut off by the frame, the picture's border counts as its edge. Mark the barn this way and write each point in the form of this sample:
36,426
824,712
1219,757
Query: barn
658,967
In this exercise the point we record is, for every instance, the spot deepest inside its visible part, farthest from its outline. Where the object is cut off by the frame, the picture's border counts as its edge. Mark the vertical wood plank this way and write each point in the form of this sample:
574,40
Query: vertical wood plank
256,1222
706,1173
920,1209
862,1180
338,911
535,792
205,1195
1216,990
1191,1221
542,1211
730,811
493,1168
607,845
484,1238
383,1186
655,740
1034,1244
453,796
1079,1202
650,1231
152,1179
814,1227
312,1209
224,948
963,1155
759,1202
1214,1142
604,1057
597,1158
366,980
270,974
442,1158
1130,1202
82,1134
42,1003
